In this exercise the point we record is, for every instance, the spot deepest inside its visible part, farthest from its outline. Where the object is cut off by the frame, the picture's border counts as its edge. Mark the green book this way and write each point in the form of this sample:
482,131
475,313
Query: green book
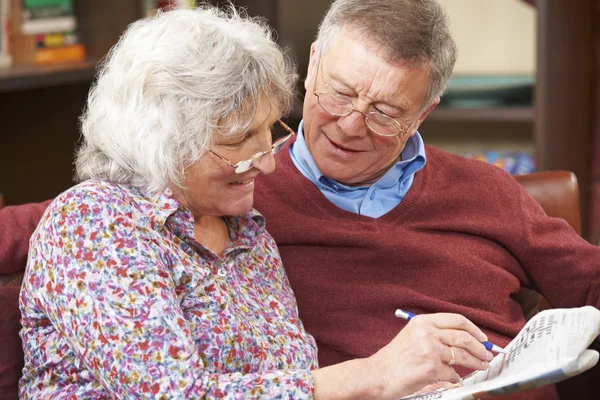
48,16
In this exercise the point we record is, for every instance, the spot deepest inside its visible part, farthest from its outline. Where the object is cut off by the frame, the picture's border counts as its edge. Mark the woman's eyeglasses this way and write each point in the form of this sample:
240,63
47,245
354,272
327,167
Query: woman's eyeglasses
248,164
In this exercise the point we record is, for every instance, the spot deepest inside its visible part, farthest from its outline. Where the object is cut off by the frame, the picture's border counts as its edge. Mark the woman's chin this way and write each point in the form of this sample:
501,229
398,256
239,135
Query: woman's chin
240,208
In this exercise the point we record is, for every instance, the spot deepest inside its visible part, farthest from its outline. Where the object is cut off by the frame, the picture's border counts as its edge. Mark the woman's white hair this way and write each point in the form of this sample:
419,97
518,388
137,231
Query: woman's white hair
413,31
169,84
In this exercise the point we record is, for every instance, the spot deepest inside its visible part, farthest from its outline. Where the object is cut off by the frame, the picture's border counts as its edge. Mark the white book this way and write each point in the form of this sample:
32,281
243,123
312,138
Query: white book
5,58
553,346
46,25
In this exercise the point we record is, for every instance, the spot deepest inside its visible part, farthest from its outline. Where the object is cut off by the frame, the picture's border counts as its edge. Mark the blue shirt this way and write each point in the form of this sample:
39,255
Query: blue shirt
374,200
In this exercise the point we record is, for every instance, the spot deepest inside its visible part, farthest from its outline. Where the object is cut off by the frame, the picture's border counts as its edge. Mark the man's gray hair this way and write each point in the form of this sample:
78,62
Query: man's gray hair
169,84
414,31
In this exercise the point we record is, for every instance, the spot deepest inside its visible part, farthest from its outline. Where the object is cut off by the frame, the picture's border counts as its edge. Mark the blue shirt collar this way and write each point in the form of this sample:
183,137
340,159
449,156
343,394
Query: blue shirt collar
413,159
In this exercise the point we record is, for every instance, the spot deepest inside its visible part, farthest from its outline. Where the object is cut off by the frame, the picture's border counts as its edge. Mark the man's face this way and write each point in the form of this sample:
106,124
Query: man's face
344,148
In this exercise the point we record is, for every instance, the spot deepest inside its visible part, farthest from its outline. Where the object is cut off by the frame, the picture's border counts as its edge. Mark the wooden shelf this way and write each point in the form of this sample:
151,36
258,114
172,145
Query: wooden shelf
496,114
31,76
455,114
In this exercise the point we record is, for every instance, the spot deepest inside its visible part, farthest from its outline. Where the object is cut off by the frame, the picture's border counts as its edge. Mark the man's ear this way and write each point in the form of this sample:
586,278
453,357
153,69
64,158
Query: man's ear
312,68
423,115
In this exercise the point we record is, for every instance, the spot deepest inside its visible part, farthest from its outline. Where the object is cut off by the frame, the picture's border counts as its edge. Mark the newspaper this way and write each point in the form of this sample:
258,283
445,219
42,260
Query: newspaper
550,348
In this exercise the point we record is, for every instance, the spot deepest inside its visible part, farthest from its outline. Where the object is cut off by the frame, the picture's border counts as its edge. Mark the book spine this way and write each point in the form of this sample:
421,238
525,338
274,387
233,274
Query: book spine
42,17
5,57
56,39
58,24
48,12
62,54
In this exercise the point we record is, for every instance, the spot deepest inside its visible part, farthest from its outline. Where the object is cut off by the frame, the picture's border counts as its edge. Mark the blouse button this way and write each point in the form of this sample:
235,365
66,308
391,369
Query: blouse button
222,273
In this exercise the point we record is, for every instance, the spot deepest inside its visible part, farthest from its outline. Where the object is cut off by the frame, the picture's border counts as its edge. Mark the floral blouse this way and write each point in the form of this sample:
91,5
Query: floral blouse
120,301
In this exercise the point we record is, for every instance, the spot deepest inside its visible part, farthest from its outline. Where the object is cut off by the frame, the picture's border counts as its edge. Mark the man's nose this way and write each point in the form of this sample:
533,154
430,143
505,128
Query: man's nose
354,124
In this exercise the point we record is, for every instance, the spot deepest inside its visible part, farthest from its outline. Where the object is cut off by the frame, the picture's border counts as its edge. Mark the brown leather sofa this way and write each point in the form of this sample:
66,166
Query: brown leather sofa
556,191
558,194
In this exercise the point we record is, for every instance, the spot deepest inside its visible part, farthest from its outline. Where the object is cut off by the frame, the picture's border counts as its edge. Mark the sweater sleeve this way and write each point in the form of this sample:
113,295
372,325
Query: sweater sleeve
559,263
17,223
111,296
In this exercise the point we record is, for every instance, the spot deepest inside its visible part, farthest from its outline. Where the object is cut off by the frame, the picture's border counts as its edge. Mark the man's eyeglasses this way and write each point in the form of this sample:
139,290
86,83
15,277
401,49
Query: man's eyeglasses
341,106
248,164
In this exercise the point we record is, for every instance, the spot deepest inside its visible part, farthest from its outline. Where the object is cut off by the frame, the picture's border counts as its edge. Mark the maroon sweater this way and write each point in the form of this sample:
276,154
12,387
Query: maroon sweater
464,240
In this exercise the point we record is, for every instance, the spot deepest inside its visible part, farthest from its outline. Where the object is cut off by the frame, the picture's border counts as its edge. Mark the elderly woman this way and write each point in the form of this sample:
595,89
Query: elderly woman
153,277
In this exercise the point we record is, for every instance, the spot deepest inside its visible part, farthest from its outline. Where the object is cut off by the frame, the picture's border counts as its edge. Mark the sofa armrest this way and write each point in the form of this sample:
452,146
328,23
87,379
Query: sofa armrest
14,279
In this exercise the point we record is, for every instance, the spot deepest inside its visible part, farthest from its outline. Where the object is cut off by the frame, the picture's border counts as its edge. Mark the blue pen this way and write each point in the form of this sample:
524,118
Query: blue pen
408,316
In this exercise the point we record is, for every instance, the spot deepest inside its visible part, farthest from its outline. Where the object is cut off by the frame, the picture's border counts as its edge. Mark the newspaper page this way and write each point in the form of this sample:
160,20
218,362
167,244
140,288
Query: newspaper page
550,348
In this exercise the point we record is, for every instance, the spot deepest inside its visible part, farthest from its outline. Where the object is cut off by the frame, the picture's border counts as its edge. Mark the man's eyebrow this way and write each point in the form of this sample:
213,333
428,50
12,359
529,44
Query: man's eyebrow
396,108
334,78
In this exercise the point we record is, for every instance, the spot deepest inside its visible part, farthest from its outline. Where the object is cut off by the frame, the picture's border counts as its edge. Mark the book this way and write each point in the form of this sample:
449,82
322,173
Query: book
61,54
45,47
5,57
56,39
553,346
152,6
42,16
513,162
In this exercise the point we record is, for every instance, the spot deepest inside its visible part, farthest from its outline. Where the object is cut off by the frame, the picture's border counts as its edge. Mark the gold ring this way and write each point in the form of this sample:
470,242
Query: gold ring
451,362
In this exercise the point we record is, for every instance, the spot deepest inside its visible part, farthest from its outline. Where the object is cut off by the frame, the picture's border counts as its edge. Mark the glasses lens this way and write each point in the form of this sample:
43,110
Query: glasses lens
245,165
335,105
279,143
382,124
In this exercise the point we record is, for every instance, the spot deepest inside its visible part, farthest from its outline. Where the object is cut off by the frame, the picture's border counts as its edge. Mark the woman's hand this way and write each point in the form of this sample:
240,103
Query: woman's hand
424,352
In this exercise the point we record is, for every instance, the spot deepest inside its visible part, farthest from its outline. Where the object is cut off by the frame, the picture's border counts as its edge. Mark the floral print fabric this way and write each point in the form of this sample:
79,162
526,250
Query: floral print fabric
120,301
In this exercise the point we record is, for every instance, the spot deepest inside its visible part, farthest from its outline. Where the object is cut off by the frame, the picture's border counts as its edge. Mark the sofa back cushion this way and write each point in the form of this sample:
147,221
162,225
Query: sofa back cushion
11,349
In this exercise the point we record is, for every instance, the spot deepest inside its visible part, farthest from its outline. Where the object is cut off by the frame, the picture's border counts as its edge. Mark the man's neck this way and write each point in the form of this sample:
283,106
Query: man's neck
376,177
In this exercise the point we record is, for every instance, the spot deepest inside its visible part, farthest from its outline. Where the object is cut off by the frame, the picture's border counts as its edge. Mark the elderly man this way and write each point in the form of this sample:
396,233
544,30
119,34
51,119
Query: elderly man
369,219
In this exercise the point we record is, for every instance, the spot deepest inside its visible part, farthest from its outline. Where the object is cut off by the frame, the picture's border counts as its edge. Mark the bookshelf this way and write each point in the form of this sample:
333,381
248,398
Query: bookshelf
31,76
100,26
40,106
523,114
50,99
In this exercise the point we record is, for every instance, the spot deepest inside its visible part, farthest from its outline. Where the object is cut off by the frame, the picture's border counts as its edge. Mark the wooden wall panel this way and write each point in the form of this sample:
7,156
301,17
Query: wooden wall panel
565,90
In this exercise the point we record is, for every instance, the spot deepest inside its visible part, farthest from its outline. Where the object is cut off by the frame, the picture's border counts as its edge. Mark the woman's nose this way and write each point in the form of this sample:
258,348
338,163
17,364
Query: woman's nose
266,163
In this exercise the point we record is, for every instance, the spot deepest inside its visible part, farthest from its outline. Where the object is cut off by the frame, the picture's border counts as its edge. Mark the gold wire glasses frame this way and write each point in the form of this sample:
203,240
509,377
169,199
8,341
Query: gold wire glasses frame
340,106
246,165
